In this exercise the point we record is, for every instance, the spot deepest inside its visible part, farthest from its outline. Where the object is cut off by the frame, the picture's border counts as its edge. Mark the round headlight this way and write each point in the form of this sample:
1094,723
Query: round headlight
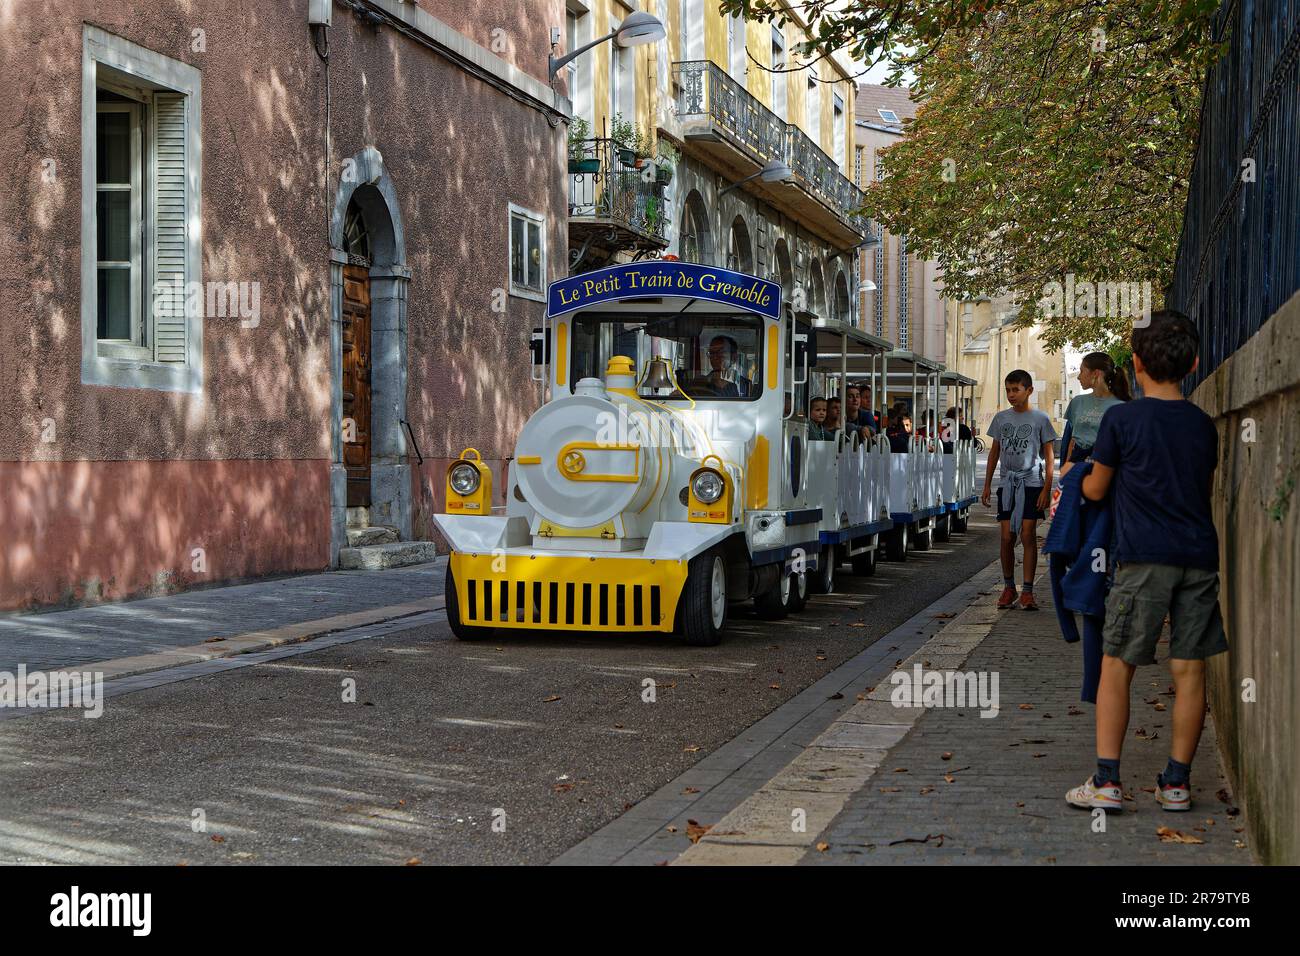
464,479
708,487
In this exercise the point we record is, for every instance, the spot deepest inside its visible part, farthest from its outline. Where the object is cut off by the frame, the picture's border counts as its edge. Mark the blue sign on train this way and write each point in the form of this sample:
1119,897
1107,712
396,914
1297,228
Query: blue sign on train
655,278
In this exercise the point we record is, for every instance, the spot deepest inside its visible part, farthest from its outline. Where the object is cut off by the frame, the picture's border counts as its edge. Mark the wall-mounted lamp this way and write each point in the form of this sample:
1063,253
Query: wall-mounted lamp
637,29
774,172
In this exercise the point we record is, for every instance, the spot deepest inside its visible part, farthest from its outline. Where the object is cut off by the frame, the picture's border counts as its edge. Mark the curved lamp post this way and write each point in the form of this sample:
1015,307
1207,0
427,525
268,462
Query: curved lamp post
637,29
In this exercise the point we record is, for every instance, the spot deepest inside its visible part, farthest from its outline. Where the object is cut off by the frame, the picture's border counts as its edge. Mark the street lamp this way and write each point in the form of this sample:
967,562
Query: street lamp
637,29
774,172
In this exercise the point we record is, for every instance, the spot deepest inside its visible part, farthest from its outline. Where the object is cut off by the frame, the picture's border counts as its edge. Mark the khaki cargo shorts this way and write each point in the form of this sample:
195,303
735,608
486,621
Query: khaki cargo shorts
1143,594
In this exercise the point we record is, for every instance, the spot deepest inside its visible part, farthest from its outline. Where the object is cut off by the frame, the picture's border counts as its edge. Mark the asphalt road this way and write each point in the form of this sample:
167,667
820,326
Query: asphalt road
549,733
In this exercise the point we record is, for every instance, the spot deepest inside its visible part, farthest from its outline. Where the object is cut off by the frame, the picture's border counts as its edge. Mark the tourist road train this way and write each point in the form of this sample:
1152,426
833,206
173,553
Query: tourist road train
674,470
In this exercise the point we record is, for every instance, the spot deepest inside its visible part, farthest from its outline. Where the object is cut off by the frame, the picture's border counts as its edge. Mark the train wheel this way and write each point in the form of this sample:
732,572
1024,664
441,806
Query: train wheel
466,632
823,581
896,543
864,564
961,521
702,608
923,540
799,591
943,527
774,604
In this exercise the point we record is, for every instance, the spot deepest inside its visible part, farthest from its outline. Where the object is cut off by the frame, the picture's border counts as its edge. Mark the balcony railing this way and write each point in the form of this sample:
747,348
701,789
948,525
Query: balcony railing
610,186
707,91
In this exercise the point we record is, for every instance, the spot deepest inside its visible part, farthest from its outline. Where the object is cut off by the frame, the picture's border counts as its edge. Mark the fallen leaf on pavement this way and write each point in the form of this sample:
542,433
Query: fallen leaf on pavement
891,789
671,829
821,657
1168,835
552,699
774,686
945,615
1026,706
823,847
563,787
946,755
862,697
691,790
900,770
218,838
925,790
690,749
695,831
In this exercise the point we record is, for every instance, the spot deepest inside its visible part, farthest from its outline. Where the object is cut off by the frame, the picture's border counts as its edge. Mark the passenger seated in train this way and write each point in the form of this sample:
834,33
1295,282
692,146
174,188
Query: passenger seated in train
953,425
832,423
817,421
899,431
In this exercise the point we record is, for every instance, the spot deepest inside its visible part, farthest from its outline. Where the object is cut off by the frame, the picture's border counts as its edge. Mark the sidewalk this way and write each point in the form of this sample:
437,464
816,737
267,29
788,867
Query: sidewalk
245,617
868,782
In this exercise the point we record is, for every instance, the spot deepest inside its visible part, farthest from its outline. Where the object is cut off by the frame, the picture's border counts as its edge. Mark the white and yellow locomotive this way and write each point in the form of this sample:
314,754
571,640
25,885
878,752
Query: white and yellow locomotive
670,473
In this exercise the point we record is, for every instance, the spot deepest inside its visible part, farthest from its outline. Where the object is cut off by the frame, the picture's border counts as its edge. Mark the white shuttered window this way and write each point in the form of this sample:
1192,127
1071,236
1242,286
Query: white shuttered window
142,301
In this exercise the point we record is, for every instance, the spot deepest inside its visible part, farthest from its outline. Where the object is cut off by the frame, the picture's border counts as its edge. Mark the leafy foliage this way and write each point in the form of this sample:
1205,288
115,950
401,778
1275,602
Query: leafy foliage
1052,138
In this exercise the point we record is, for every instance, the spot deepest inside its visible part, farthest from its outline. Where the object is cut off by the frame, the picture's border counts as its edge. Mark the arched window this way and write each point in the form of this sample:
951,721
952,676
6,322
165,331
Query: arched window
841,304
740,255
816,288
356,241
784,272
696,243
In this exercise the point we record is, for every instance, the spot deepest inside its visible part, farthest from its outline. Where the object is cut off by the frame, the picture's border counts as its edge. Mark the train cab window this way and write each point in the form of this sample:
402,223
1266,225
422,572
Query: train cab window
709,356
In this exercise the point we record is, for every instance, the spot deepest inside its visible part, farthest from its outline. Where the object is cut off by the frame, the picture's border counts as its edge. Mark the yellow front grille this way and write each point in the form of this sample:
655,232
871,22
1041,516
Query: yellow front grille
567,593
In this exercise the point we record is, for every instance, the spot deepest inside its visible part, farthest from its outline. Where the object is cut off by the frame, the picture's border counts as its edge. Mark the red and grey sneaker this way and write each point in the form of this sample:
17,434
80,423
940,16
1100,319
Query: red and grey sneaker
1108,796
1173,796
1007,599
1027,602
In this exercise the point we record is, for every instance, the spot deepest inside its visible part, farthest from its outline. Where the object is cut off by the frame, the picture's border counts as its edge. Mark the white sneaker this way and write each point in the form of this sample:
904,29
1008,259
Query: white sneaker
1173,797
1109,796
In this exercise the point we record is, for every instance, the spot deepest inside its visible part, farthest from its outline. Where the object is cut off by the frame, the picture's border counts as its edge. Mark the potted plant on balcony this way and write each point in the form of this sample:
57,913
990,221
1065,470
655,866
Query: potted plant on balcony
626,139
666,163
579,135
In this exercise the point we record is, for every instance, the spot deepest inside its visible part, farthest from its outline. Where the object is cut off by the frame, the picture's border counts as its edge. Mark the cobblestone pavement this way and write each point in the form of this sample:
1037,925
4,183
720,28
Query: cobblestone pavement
107,631
1005,802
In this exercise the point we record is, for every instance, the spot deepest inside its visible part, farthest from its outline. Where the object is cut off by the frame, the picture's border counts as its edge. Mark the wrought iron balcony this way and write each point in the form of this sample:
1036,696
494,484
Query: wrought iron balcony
713,107
712,99
616,200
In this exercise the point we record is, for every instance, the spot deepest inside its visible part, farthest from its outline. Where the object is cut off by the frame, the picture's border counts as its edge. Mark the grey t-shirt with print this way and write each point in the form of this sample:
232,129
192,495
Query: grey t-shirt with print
1020,437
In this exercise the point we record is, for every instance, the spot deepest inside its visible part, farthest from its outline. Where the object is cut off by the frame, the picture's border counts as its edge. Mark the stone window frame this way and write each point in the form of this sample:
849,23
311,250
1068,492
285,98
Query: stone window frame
127,61
528,215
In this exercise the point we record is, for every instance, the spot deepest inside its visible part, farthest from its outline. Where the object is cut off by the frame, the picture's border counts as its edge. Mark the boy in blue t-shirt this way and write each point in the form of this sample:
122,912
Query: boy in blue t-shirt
1156,457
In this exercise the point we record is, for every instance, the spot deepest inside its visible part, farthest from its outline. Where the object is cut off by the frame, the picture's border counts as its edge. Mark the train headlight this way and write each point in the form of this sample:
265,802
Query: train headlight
464,479
469,485
708,486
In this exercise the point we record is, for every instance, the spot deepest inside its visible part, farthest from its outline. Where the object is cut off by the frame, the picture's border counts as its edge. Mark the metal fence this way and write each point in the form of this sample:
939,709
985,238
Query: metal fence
605,182
1239,254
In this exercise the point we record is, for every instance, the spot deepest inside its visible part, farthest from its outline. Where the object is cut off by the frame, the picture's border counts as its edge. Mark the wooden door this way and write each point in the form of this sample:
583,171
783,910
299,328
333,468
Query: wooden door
356,384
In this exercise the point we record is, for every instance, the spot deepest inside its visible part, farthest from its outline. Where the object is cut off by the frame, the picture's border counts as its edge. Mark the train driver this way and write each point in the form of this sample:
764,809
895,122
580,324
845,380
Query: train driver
724,376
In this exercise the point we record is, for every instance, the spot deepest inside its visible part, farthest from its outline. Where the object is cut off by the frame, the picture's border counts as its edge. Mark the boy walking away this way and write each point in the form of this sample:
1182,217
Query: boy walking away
1022,444
1157,456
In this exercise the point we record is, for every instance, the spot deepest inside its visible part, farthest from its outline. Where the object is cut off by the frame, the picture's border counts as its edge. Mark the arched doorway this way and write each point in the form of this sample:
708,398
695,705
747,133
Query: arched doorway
841,304
370,480
784,272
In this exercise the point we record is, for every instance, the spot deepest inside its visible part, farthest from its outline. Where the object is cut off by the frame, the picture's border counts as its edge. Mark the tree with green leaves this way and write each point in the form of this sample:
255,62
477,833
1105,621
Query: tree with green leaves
1051,148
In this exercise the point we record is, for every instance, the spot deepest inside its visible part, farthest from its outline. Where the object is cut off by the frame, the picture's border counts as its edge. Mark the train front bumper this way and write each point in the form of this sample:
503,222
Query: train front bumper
567,592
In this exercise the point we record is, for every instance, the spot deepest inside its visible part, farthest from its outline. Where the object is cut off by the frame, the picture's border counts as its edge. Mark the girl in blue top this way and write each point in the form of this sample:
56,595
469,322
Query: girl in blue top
1084,413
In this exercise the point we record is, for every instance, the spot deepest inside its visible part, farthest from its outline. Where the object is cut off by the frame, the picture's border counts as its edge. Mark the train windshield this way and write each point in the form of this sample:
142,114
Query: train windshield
715,357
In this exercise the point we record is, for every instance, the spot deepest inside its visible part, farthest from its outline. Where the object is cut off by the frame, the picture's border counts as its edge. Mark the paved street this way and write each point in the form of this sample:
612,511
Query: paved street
552,735
551,730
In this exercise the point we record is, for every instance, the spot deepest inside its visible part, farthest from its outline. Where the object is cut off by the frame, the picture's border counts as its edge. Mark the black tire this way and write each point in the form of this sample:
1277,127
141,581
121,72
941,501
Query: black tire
923,540
799,591
864,564
896,543
774,603
823,579
961,521
943,527
697,614
465,632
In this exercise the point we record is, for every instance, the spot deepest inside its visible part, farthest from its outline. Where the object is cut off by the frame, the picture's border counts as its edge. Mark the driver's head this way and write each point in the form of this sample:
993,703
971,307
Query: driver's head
722,352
